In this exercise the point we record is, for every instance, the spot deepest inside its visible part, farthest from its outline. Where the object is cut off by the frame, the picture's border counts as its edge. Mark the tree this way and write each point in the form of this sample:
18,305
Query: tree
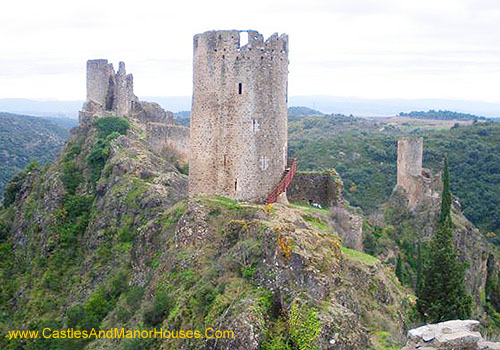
399,269
442,295
446,195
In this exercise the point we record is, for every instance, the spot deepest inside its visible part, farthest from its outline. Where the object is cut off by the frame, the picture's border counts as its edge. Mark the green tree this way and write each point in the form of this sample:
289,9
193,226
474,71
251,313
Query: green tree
442,295
446,195
399,270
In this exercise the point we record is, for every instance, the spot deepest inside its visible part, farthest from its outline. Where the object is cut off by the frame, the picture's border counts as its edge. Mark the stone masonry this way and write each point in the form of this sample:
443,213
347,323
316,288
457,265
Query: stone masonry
417,182
449,335
110,94
410,150
238,145
318,187
107,91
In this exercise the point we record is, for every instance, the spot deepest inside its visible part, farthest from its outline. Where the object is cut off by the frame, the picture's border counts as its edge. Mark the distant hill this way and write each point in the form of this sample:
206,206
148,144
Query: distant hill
67,109
23,138
364,152
299,111
66,123
326,104
441,115
182,117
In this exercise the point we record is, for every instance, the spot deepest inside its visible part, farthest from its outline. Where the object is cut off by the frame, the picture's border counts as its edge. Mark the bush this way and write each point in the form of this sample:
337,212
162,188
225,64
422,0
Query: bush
71,176
12,188
108,125
158,310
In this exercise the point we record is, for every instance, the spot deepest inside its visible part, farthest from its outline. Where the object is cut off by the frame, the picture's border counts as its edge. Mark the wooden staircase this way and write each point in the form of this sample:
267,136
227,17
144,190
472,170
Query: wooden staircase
285,181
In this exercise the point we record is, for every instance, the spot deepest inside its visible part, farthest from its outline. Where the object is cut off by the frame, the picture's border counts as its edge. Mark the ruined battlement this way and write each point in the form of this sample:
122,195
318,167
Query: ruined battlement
225,42
239,114
108,91
112,94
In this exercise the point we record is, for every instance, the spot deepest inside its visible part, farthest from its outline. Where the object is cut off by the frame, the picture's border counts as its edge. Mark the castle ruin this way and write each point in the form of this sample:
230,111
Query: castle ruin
238,143
416,181
112,94
107,91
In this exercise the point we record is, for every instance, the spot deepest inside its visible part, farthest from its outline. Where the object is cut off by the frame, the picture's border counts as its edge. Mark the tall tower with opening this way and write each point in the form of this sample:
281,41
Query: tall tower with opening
238,136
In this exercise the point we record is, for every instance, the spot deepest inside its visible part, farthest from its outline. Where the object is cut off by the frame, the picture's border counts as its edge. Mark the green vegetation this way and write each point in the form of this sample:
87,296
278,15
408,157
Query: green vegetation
300,331
315,221
108,128
356,255
23,138
441,115
364,152
442,295
304,326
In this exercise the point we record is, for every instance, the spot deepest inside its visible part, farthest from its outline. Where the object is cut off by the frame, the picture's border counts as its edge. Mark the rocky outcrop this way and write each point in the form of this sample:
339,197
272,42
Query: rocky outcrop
450,335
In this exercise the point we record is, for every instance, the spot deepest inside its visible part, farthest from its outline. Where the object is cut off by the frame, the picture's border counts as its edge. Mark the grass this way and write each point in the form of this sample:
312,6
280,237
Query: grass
359,256
384,341
307,208
316,222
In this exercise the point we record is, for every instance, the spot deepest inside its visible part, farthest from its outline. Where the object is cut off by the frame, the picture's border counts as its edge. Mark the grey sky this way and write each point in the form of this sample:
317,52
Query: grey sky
362,48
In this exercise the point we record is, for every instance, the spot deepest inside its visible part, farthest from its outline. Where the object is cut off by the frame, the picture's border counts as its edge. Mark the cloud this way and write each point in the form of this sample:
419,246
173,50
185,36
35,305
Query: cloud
365,48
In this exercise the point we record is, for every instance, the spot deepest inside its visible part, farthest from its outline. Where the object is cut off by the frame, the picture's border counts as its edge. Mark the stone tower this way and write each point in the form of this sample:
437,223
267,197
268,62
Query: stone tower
107,91
238,122
410,151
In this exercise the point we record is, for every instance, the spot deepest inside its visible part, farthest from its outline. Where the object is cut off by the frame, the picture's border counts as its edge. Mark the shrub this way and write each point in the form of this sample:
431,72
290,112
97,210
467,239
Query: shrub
158,310
108,125
71,176
12,188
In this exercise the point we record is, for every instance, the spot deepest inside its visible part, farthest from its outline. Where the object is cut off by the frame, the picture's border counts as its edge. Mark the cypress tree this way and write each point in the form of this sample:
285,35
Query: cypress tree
446,195
442,295
399,270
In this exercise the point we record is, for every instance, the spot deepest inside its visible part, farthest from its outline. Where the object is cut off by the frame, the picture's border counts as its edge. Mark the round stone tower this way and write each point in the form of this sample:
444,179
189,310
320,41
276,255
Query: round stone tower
238,137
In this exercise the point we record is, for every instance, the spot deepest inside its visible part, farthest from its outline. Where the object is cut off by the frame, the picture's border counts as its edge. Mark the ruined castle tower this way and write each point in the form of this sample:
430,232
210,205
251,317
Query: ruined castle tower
238,122
410,151
107,91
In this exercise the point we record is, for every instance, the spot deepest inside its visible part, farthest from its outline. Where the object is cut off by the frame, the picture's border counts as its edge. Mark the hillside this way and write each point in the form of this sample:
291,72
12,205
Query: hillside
441,115
104,238
23,138
364,153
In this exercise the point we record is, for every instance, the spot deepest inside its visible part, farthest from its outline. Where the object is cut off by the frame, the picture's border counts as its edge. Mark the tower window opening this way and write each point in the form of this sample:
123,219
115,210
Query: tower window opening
243,39
240,88
225,160
235,185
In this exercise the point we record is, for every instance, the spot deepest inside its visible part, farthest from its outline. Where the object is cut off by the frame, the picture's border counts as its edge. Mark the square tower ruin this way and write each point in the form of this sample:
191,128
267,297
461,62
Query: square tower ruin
238,141
410,151
107,91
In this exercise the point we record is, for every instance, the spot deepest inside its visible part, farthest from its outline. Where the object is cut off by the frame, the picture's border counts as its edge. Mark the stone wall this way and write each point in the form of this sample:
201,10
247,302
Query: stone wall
238,145
449,335
110,94
316,186
168,138
107,91
409,173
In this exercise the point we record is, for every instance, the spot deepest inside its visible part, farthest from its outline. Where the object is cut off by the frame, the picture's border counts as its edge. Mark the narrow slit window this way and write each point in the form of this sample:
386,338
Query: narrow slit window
225,160
235,185
240,88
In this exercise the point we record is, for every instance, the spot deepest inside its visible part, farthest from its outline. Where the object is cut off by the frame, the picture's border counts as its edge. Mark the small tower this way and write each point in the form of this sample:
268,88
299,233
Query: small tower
239,115
410,150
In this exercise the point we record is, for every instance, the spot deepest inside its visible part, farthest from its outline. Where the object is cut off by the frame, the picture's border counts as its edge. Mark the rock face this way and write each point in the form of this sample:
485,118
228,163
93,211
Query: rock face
239,114
450,335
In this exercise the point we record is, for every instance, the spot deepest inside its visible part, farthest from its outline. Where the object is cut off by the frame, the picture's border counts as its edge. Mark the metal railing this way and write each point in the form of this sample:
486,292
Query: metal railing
285,181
